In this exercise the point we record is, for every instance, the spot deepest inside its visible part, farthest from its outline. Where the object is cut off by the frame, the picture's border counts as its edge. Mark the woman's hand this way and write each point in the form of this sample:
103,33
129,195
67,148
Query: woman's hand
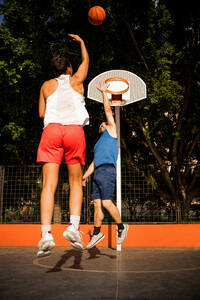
75,37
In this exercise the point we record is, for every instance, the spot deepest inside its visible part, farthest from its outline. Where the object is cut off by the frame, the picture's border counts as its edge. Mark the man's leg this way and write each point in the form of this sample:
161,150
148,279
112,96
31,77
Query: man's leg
75,203
114,212
98,218
50,180
98,213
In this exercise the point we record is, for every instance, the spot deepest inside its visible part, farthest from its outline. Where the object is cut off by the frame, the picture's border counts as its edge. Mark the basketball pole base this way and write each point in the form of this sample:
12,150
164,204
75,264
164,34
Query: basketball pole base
119,247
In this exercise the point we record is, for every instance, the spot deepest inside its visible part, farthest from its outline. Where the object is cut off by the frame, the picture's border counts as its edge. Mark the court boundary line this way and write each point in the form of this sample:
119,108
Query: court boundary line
36,262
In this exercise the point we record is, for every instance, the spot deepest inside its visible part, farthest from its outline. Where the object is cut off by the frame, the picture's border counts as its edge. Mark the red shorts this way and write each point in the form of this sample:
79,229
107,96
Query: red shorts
58,140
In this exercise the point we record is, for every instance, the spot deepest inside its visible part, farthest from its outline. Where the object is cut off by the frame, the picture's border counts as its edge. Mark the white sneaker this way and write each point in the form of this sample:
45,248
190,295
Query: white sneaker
121,234
95,239
45,245
73,235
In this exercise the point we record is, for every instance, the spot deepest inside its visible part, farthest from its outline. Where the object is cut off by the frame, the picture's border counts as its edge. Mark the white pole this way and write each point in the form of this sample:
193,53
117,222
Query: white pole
118,183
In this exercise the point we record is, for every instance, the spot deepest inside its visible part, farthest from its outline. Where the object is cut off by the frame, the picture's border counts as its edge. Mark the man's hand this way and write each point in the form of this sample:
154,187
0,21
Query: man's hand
87,174
84,181
103,87
75,37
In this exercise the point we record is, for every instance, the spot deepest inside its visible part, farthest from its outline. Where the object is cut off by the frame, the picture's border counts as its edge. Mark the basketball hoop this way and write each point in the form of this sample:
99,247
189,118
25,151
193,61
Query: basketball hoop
116,96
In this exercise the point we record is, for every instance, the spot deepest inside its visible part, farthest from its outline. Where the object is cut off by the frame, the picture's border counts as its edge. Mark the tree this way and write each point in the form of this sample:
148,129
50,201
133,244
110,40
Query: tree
153,39
167,124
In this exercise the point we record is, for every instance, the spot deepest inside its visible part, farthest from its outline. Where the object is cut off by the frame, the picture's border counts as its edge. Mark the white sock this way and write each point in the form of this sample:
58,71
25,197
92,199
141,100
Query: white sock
75,220
45,229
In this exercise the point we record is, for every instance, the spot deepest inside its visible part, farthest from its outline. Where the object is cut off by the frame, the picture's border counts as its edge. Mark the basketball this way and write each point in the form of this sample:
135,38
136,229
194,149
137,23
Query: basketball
96,15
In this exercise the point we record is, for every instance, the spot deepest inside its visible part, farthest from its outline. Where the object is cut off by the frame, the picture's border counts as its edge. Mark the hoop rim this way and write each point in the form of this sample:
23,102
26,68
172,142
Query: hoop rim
117,79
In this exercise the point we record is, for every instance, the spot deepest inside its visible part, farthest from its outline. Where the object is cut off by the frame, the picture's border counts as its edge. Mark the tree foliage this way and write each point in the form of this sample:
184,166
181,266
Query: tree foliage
153,39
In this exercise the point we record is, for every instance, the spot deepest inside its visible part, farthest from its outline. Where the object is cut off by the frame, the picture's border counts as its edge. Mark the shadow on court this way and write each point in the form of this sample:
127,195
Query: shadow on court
77,256
100,273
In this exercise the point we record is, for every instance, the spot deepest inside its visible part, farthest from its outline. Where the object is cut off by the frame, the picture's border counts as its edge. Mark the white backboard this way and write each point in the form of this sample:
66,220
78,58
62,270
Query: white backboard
136,91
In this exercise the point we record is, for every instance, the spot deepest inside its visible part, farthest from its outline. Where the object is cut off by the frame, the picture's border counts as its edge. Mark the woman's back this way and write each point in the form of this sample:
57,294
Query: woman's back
64,105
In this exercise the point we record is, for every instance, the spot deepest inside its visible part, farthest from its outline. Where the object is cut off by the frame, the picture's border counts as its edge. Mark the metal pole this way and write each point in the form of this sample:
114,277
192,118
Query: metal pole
118,183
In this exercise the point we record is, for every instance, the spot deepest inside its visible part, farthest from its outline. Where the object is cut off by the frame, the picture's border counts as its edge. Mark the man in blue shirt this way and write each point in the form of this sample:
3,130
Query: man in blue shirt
104,181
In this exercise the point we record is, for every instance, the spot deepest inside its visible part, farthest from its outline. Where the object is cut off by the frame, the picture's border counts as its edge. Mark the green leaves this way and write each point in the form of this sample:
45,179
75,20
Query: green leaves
14,131
33,31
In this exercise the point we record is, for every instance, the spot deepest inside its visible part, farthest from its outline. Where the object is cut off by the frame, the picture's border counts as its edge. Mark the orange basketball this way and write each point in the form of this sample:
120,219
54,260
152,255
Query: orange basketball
96,15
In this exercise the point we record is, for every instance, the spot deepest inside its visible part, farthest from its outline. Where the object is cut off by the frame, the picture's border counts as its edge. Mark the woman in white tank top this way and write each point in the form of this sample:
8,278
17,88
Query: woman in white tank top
62,106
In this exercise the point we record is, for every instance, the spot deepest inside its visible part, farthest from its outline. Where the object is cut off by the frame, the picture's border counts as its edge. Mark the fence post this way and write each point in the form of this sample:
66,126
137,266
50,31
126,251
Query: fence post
178,215
2,172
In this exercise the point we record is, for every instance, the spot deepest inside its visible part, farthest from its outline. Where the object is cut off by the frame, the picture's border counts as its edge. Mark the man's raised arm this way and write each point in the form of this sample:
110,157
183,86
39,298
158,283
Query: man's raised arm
107,108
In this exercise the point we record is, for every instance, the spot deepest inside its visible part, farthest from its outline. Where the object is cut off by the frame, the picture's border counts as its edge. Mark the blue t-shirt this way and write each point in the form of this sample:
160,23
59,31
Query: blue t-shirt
106,150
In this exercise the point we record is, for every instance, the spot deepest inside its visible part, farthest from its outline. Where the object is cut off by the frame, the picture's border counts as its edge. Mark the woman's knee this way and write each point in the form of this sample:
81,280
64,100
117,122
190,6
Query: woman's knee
50,184
49,187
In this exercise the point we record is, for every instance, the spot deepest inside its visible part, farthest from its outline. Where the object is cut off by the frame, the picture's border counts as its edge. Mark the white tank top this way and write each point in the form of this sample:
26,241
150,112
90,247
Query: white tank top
66,106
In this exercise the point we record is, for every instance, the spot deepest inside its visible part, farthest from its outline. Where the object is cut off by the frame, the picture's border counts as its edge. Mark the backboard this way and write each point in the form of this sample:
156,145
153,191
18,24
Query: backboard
124,87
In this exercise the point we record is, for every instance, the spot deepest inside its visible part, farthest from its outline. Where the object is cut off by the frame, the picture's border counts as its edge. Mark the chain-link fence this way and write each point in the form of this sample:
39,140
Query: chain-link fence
20,189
